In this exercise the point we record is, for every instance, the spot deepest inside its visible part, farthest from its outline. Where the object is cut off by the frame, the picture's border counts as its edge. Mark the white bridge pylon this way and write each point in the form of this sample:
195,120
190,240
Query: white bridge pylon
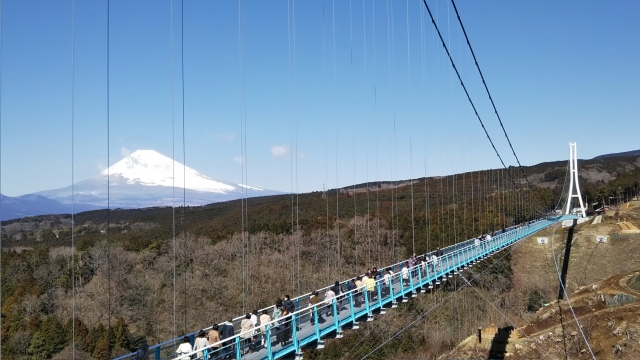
573,174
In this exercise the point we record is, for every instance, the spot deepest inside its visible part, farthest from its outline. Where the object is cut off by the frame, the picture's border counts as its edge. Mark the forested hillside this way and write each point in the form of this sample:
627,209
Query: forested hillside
128,266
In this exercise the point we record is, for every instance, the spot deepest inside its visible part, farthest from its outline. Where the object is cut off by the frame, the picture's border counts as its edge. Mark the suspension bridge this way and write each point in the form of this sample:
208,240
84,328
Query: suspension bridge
312,322
307,324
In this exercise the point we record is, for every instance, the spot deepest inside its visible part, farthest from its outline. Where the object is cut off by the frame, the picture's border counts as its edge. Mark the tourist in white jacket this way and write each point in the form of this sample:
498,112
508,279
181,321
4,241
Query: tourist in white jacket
200,343
184,349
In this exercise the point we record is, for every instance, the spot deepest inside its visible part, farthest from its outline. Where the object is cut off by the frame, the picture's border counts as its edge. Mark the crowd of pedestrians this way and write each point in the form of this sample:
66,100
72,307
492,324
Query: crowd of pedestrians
253,334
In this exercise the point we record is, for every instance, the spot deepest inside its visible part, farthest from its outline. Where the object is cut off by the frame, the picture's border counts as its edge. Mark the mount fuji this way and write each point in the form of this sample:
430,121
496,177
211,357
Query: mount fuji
147,178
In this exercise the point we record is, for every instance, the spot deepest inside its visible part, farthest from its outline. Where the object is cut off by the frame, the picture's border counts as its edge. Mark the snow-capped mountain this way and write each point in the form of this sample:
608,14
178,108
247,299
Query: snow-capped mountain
147,178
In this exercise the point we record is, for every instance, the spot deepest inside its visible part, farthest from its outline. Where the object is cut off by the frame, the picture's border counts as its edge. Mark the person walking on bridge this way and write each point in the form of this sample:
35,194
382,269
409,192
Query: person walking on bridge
227,333
214,338
405,274
264,320
338,293
143,352
328,299
434,262
200,343
413,261
387,282
314,300
246,333
288,304
371,287
350,286
277,314
285,328
439,254
184,349
358,291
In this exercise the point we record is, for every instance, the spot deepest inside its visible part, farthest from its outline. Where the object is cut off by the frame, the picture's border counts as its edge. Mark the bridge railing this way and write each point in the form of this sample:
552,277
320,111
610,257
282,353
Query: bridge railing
455,256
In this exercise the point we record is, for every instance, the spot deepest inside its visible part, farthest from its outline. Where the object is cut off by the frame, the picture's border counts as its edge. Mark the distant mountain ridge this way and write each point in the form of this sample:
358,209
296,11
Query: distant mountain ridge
147,178
621,154
33,205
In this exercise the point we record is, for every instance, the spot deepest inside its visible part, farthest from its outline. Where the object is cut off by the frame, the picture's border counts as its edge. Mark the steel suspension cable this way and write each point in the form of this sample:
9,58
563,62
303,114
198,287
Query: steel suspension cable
353,142
444,45
173,178
295,113
441,212
489,93
339,253
364,38
413,228
473,211
566,175
73,200
454,202
426,179
243,162
326,148
108,179
1,46
375,97
464,204
291,159
427,195
184,162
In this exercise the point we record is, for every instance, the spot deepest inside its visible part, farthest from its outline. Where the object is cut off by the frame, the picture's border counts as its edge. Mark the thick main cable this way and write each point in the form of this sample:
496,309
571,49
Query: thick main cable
444,45
489,93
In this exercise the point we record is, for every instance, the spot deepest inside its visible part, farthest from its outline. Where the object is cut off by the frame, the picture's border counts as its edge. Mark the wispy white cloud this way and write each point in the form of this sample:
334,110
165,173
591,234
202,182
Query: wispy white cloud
280,151
238,160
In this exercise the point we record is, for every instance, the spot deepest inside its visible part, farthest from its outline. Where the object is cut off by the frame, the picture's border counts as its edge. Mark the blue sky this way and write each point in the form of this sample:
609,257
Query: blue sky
558,71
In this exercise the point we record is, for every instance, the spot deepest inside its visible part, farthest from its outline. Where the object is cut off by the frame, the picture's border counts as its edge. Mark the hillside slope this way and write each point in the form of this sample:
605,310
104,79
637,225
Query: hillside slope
604,294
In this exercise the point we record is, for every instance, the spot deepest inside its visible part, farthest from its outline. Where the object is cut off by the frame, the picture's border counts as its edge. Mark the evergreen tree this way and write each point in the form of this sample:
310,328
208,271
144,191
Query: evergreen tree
49,340
102,349
82,336
121,333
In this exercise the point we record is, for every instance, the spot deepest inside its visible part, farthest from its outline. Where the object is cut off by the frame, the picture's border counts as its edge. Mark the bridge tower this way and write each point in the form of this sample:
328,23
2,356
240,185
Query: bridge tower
573,174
